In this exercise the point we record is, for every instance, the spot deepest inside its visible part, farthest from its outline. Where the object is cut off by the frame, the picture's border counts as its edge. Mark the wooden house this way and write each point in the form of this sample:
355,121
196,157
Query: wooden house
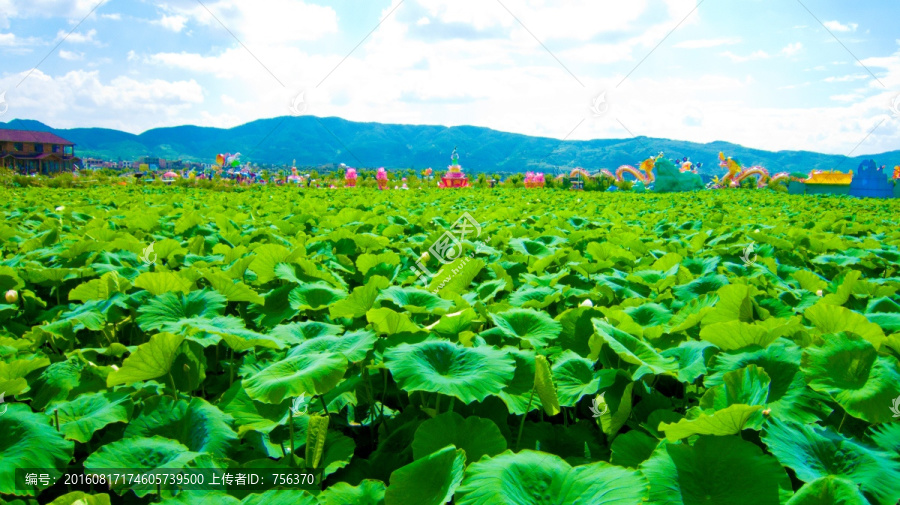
36,152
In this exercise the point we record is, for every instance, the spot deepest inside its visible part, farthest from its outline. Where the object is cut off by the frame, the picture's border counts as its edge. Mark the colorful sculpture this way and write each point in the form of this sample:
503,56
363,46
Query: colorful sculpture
534,180
454,178
871,182
644,175
294,177
228,160
577,177
350,177
670,179
381,177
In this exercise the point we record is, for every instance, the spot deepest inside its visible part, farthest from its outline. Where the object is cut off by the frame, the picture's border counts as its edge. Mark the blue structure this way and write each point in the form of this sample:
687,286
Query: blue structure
870,182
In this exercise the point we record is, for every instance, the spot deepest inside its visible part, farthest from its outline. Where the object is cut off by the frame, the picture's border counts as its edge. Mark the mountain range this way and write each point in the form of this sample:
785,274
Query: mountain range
312,141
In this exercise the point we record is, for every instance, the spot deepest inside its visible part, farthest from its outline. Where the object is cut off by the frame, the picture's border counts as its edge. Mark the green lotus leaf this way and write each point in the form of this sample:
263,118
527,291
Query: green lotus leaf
415,300
735,304
575,377
167,311
715,470
100,289
699,287
388,322
250,415
280,497
158,283
140,455
537,328
536,478
310,374
429,480
728,421
692,357
850,370
835,319
631,350
29,442
828,491
360,300
368,492
468,373
81,498
86,414
517,395
475,435
234,291
353,346
530,247
732,335
12,375
451,325
814,452
887,436
266,258
649,314
149,361
315,296
294,333
198,425
632,448
534,297
366,262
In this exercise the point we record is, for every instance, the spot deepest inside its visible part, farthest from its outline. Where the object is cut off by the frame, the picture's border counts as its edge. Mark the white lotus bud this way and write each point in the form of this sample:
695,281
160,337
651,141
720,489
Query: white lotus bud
819,293
12,296
587,303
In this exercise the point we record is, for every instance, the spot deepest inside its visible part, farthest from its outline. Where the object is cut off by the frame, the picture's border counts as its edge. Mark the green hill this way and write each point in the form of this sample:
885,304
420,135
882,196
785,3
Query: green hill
317,141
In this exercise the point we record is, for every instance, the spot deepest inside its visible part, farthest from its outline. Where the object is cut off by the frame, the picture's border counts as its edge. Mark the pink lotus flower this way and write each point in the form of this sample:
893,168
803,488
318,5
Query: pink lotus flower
381,175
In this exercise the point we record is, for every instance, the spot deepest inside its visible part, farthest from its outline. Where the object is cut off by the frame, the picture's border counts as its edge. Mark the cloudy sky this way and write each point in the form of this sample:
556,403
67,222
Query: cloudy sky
818,75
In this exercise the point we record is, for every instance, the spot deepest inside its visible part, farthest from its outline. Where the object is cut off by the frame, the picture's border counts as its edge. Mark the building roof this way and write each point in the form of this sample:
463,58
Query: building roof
32,136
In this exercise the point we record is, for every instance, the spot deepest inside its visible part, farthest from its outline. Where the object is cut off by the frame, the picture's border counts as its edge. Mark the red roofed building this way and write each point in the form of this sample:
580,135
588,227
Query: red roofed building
36,152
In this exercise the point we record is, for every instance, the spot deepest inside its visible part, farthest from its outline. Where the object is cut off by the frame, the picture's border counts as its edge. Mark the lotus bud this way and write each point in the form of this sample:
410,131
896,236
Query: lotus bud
767,412
187,368
114,367
819,293
587,303
12,296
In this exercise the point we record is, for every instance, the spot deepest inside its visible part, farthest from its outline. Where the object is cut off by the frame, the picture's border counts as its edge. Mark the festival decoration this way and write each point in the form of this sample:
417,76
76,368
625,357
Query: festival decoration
350,177
871,182
606,173
737,173
228,160
534,180
577,177
670,179
454,178
294,177
382,178
830,177
897,172
644,175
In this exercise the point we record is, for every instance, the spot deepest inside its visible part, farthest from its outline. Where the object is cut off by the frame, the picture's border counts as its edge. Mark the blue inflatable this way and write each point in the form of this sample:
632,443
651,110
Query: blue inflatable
870,182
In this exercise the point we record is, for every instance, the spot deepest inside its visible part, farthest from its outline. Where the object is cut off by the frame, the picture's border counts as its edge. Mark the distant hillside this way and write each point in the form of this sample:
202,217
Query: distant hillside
284,139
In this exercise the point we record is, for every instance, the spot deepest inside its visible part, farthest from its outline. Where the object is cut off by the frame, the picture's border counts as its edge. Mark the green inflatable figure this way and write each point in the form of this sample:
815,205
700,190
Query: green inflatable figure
670,180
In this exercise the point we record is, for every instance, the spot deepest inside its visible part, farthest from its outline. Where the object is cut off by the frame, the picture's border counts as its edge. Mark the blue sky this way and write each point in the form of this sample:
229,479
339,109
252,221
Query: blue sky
764,73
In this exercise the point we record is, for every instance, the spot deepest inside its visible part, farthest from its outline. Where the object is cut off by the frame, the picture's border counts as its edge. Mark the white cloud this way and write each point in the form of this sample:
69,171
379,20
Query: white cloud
115,16
847,97
77,37
847,78
705,43
70,55
174,23
837,26
792,49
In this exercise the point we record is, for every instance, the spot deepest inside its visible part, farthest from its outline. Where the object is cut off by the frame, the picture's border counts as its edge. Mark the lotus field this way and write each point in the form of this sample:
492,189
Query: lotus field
468,347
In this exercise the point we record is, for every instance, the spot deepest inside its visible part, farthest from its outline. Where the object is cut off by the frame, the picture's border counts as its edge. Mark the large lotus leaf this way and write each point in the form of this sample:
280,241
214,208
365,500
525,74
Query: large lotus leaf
88,413
315,296
368,492
530,247
735,304
577,329
29,442
353,346
537,478
234,291
294,333
537,328
834,319
517,395
699,287
733,335
170,308
850,370
728,421
430,480
360,300
388,322
534,297
140,455
789,396
200,426
692,356
575,377
451,325
149,361
632,448
887,436
631,350
649,314
828,491
714,470
81,498
250,415
475,435
747,386
468,373
310,374
415,300
267,257
100,289
12,375
158,283
813,452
